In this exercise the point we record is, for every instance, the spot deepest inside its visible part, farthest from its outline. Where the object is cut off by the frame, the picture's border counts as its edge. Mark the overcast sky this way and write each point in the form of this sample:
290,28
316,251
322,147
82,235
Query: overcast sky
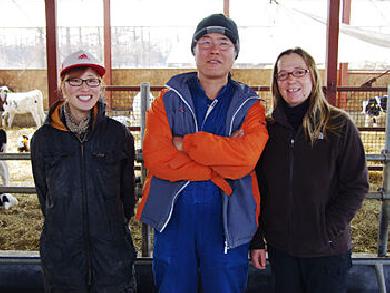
266,28
177,12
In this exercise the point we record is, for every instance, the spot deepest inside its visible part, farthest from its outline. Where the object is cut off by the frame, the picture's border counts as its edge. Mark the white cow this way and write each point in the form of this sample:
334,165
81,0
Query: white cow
125,120
4,174
135,110
21,103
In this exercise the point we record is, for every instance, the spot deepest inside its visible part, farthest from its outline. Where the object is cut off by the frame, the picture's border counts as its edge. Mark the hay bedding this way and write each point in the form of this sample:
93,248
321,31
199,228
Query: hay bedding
20,226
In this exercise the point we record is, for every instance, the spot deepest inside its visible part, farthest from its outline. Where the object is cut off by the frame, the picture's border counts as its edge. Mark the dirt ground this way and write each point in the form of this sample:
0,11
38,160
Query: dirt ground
20,226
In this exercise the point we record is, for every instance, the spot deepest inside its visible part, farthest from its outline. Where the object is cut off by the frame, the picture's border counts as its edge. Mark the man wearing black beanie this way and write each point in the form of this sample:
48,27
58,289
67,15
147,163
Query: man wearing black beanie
204,135
217,23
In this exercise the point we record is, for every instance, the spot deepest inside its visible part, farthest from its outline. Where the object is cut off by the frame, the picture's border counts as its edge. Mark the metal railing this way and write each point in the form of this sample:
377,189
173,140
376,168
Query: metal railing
384,157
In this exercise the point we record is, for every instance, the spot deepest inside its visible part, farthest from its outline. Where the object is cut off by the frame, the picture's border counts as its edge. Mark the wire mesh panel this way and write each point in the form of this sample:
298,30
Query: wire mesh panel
126,106
367,107
369,114
373,141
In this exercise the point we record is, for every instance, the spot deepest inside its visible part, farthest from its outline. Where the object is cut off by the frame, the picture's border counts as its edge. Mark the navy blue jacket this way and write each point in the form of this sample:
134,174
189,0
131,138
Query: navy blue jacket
241,207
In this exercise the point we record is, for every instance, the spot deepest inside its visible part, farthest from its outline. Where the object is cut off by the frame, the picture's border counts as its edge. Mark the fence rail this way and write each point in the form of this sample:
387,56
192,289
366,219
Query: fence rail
349,99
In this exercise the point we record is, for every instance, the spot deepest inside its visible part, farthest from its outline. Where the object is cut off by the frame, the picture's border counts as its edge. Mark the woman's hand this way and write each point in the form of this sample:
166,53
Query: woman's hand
258,258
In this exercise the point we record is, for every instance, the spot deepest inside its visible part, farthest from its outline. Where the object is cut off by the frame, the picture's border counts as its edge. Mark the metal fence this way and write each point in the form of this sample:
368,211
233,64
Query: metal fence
376,139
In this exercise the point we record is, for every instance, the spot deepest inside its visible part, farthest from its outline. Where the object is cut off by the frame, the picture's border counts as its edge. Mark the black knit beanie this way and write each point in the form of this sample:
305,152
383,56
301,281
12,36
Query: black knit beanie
217,23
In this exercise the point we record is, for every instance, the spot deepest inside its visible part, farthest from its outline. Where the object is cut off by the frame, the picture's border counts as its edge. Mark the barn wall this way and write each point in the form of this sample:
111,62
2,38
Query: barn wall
25,80
358,77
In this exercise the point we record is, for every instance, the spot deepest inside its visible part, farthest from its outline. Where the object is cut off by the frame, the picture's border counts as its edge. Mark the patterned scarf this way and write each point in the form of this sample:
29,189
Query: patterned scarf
79,129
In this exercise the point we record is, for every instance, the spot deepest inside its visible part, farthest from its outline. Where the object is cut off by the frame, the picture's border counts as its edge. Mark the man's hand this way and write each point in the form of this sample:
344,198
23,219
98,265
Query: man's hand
178,143
258,258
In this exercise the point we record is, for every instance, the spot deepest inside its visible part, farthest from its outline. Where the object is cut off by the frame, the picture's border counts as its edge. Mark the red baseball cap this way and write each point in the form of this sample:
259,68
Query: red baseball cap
81,59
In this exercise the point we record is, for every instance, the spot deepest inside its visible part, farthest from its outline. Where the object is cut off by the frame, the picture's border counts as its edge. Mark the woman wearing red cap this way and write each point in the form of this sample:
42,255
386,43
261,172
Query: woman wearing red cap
83,171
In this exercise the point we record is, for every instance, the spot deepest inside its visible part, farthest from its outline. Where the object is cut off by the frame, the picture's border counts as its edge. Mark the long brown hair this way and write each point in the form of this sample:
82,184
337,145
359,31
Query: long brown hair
321,117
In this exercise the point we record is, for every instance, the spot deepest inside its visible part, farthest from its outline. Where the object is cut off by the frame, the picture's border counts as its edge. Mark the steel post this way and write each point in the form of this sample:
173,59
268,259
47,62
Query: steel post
385,212
380,275
146,230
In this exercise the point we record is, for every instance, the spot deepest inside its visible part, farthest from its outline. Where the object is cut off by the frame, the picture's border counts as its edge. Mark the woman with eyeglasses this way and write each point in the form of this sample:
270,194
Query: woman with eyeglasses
313,178
83,167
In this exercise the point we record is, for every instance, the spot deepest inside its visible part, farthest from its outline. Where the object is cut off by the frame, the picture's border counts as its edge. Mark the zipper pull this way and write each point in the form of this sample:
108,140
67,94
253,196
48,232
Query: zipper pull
213,103
226,247
211,107
292,142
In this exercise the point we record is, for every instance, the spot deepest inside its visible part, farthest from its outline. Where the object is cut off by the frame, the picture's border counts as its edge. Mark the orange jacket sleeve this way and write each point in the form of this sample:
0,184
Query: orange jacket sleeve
231,158
161,158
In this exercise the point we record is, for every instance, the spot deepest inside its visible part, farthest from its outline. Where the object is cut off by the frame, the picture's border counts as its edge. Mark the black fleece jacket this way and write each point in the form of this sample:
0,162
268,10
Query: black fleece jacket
309,193
86,192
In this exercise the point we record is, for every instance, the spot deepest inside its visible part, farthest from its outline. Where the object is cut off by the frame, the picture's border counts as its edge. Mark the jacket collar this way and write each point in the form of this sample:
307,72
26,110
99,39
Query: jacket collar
279,116
180,83
56,116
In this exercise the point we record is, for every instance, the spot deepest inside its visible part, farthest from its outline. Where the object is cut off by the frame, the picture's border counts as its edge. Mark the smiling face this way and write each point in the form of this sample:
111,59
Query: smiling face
82,98
295,89
214,56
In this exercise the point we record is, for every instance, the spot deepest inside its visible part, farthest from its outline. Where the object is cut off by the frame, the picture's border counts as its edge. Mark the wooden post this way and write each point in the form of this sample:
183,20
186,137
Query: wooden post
343,67
107,50
226,9
332,50
51,50
342,98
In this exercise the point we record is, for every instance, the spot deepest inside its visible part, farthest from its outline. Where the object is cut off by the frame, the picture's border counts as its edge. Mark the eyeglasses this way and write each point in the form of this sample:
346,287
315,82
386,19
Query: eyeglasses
283,75
222,45
93,82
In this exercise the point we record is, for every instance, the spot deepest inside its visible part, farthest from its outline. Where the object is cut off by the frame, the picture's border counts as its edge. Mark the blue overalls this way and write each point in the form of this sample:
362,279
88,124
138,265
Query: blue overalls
192,246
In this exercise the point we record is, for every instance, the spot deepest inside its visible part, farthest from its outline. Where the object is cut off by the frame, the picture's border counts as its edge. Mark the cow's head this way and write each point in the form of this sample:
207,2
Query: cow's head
383,101
4,90
376,105
372,107
7,200
4,198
